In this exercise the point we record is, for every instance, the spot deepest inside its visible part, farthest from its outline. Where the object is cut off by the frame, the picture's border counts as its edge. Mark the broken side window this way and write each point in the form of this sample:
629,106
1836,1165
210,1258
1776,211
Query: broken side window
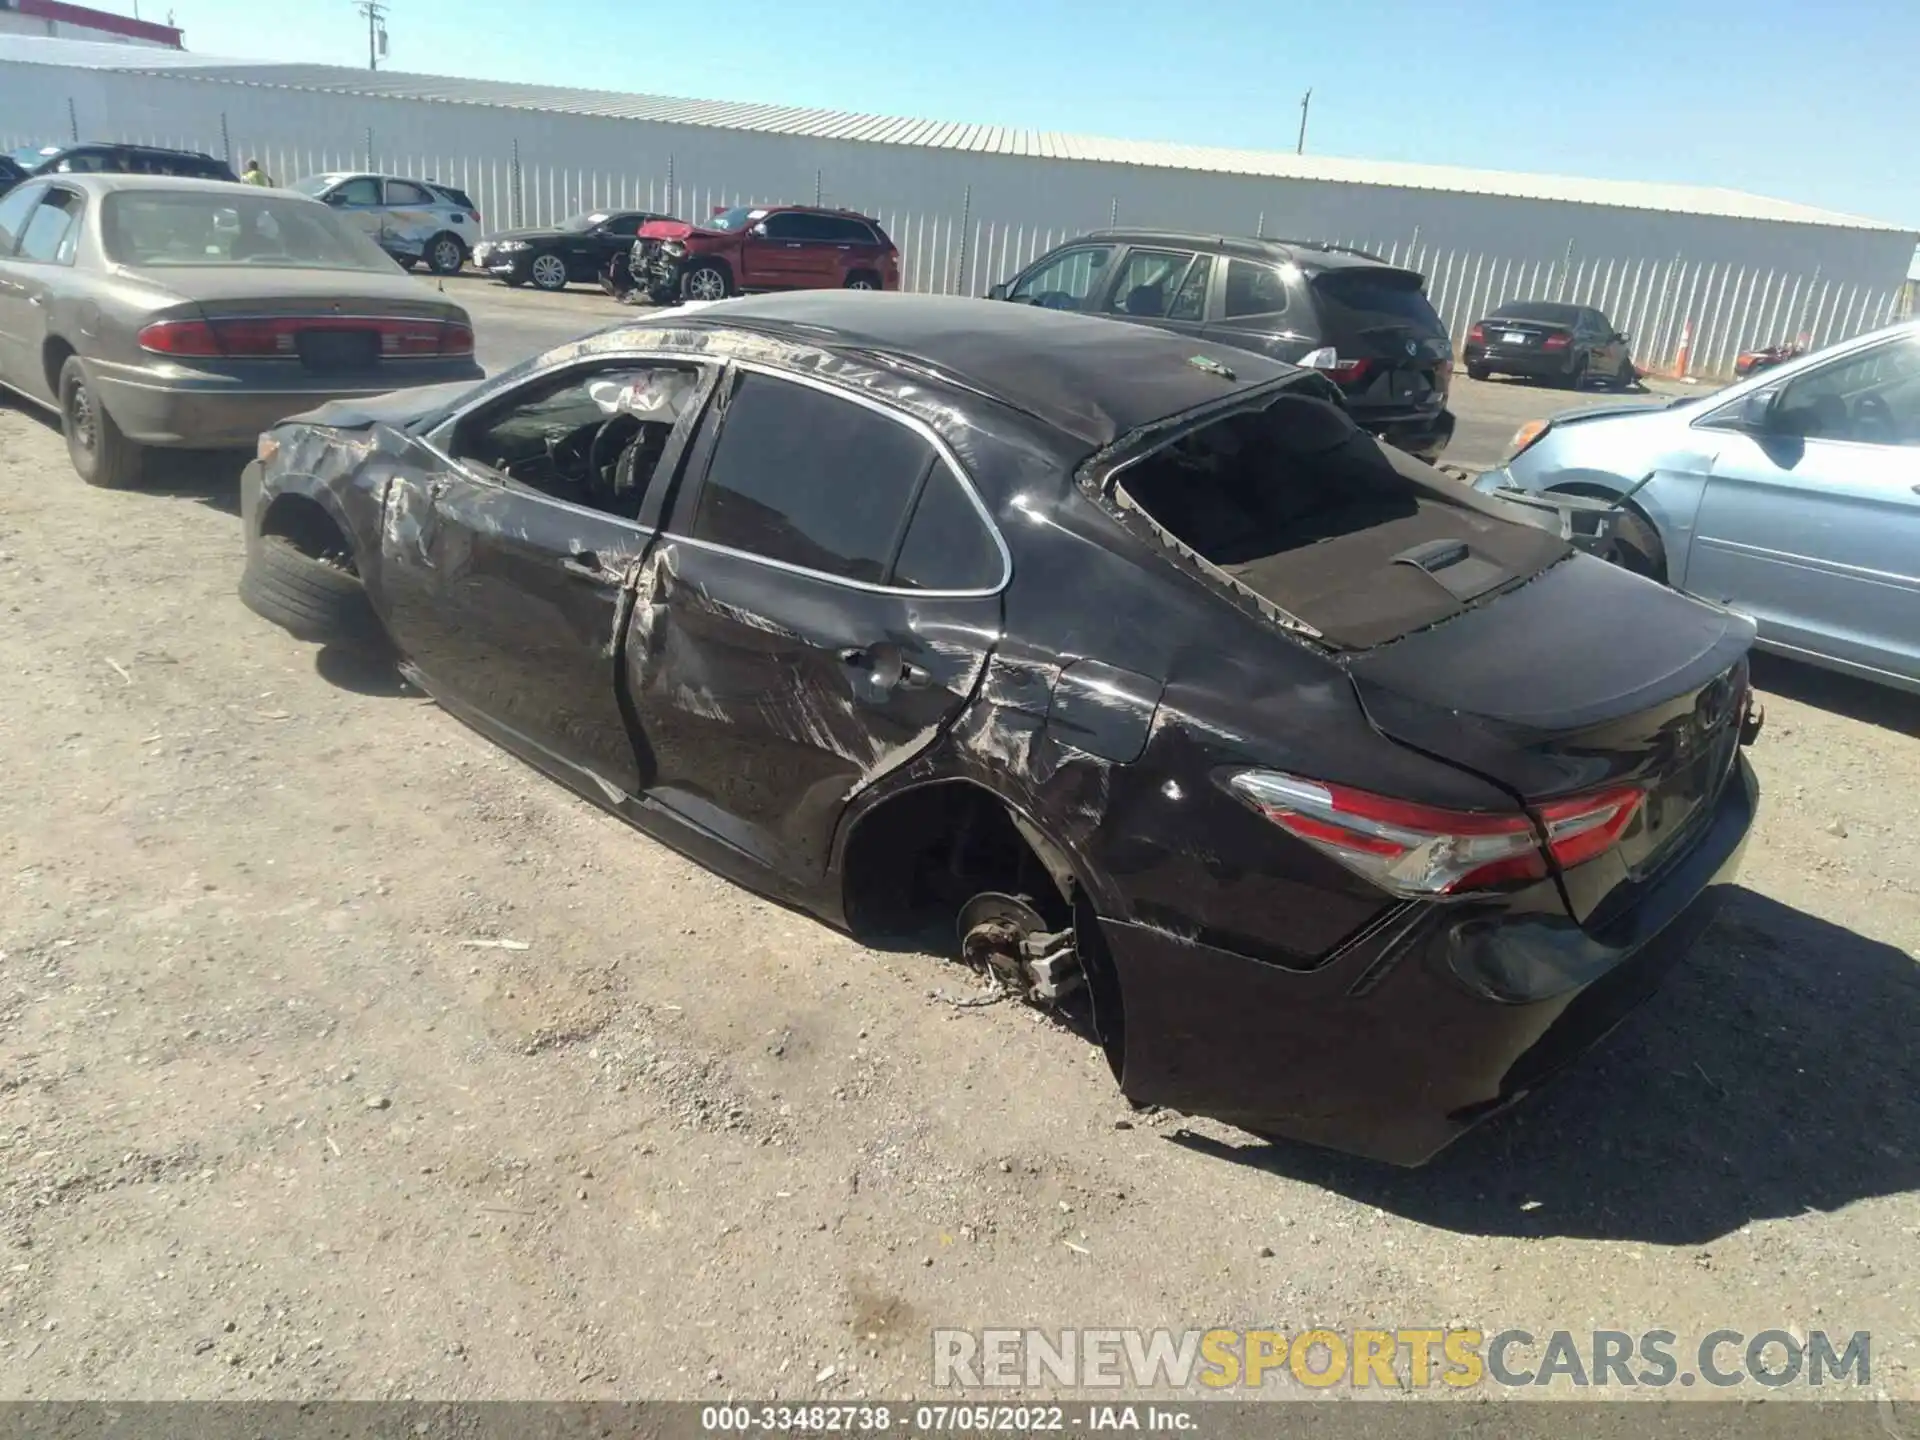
809,479
590,437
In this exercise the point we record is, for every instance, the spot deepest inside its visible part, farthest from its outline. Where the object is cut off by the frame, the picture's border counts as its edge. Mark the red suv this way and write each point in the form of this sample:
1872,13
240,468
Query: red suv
764,247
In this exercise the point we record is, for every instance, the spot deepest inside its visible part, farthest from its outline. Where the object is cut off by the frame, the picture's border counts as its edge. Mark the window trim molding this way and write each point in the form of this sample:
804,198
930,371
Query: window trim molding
944,454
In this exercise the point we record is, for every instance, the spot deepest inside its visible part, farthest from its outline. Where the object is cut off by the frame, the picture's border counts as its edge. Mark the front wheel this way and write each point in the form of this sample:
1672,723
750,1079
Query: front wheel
1478,372
1637,547
548,272
445,255
705,282
101,455
1628,376
1577,379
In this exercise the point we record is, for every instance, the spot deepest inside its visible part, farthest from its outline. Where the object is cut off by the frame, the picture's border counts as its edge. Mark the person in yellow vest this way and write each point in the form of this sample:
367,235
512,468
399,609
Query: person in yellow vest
254,175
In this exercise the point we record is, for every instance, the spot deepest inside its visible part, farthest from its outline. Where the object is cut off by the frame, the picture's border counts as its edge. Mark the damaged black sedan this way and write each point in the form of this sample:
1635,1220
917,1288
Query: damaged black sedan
1348,801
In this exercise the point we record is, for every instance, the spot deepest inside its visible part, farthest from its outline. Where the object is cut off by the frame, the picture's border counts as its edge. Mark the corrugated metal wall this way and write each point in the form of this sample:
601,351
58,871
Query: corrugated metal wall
1692,290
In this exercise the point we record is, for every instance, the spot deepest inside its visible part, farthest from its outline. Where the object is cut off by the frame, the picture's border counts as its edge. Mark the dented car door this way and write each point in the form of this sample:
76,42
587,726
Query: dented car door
509,599
821,604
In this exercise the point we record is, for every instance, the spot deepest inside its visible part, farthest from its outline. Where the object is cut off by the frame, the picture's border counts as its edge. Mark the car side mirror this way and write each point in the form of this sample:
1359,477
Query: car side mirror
759,228
1760,412
337,198
1623,337
998,292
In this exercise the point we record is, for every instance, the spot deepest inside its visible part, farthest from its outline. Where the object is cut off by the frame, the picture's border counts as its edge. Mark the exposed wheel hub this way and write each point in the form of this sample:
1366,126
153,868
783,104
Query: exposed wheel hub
1007,938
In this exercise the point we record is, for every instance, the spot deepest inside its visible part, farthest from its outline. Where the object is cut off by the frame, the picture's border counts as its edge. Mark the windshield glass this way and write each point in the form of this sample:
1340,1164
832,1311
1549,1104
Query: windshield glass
1539,310
737,218
313,184
31,155
172,228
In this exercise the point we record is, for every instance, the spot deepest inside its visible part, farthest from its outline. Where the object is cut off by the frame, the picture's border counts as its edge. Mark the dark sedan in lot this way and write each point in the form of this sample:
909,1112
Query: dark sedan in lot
1125,663
1542,340
577,250
152,311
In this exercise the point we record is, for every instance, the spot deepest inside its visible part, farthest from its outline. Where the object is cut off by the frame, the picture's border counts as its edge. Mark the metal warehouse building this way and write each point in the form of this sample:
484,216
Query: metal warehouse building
1694,273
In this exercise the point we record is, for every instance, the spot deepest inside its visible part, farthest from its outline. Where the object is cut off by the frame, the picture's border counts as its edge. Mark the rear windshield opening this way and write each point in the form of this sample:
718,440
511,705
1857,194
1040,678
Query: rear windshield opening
1299,506
1362,299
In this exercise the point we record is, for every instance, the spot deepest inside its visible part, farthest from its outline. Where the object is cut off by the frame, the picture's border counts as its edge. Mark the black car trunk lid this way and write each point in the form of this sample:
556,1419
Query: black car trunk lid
1583,679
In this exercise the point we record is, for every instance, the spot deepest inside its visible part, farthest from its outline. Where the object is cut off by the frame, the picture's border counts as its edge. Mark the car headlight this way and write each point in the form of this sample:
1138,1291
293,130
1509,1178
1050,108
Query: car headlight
674,248
1526,435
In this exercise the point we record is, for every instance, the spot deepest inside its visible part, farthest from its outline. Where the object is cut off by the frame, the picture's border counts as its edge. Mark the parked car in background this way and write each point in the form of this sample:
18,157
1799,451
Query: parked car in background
1793,496
750,248
11,173
1366,325
1543,340
150,311
1122,661
115,158
578,249
1752,362
414,221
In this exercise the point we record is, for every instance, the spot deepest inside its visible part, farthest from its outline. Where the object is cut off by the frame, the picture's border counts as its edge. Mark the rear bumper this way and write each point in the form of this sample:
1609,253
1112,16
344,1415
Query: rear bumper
1425,436
211,412
1540,364
1391,1051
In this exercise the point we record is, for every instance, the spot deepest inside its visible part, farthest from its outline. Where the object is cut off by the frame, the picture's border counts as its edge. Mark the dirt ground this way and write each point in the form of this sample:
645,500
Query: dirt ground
342,1055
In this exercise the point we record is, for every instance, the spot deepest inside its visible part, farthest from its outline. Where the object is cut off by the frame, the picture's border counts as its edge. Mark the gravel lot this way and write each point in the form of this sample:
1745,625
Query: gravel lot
283,1115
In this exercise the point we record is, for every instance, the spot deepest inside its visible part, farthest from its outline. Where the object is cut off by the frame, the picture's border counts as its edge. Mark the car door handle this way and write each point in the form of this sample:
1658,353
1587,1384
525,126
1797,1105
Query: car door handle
890,672
586,565
39,300
793,245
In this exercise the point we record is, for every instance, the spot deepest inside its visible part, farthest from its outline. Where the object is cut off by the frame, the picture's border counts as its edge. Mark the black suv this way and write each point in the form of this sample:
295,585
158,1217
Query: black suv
1364,323
112,158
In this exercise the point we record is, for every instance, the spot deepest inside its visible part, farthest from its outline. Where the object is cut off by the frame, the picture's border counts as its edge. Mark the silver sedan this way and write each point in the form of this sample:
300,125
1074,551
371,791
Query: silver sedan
1793,496
155,311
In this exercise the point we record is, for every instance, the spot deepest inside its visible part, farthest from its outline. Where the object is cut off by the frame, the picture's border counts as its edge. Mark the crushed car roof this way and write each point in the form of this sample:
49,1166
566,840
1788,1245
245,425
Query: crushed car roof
1093,379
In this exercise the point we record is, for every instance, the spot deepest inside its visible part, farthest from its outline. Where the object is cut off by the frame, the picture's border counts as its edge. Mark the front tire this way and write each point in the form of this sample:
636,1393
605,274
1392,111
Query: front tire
548,272
445,255
1577,377
705,282
101,455
1478,372
1628,376
310,599
1637,547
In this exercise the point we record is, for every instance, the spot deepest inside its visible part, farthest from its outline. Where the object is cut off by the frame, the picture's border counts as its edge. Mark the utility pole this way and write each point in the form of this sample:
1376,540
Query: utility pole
1305,100
376,14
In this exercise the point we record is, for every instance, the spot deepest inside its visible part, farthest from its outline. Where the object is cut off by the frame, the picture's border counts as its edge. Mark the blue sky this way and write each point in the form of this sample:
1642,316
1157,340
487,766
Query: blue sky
1809,100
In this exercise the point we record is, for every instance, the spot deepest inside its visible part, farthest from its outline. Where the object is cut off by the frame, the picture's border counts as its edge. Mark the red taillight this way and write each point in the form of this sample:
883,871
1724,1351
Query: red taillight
1477,335
1421,850
1589,825
277,337
180,337
1328,362
1556,342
